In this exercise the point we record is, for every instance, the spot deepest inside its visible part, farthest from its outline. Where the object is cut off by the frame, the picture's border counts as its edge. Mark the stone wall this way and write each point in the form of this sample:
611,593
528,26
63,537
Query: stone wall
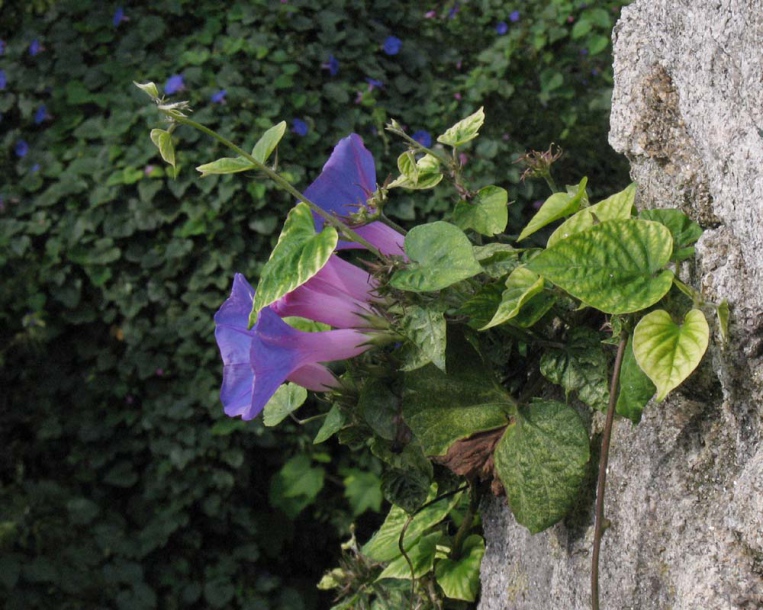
685,486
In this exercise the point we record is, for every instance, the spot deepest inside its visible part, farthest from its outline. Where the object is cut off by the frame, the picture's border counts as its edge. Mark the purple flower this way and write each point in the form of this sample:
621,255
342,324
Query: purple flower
501,27
339,295
35,168
3,80
392,45
218,97
299,127
430,14
514,16
257,361
119,16
21,149
374,84
454,11
41,114
343,187
423,137
35,47
174,84
332,65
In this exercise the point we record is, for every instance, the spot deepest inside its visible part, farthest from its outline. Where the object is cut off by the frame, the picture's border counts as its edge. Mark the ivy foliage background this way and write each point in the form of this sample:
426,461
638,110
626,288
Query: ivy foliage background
121,483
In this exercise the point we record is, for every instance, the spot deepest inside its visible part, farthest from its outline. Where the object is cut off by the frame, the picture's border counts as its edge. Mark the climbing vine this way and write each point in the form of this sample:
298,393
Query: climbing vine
466,354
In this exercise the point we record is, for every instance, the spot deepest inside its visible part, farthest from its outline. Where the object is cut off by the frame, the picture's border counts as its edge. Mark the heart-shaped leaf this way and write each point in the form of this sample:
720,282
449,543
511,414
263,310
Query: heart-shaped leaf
667,352
287,399
298,256
541,461
460,578
521,286
555,207
486,214
615,267
440,254
616,207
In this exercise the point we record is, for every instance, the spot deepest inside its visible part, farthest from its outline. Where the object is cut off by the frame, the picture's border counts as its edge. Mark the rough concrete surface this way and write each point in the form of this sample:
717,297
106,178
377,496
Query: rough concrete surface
685,486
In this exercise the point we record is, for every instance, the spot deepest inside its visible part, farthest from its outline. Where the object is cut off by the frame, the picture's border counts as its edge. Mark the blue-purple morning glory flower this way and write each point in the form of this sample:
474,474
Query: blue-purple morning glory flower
332,65
218,97
3,80
344,185
41,114
514,16
501,27
257,361
119,16
35,47
299,127
35,168
339,295
174,84
21,149
374,84
392,45
423,137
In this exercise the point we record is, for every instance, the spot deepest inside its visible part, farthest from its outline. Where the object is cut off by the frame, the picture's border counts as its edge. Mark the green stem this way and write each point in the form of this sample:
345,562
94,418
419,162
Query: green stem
550,182
466,524
282,183
598,528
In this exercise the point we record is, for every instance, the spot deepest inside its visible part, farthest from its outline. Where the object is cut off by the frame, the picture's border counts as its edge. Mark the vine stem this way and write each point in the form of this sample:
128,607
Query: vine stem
598,528
281,182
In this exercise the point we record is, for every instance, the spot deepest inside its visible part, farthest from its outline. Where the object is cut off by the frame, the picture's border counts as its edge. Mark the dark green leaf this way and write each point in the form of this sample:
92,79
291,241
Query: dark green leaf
636,389
425,329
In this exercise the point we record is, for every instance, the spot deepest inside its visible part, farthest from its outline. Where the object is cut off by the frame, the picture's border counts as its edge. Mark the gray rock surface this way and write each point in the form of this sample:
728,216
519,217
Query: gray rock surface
685,486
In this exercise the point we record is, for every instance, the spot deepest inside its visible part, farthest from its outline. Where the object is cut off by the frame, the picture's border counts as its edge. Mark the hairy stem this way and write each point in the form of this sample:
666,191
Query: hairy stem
598,528
282,183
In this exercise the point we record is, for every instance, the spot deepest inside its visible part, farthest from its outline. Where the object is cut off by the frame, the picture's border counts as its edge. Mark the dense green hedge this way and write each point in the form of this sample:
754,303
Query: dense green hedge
121,484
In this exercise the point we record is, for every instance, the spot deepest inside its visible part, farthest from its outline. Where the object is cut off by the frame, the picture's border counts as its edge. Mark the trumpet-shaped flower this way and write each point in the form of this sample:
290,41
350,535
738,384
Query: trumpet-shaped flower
257,361
347,181
339,295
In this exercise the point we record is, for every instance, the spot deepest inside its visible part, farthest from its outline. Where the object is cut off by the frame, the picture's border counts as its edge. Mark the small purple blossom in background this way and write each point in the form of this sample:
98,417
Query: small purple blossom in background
299,127
332,65
119,16
501,27
35,47
584,51
218,97
423,137
21,149
35,168
463,159
41,114
374,84
457,96
3,80
392,45
454,11
160,372
514,16
430,14
174,84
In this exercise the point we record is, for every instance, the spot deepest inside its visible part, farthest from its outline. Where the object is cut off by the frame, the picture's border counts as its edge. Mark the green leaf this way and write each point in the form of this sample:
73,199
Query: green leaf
667,352
226,165
298,256
268,142
684,230
464,131
149,89
497,260
580,367
331,425
383,545
636,389
521,286
541,461
460,578
440,254
532,311
615,267
616,207
555,207
363,491
163,141
417,175
287,399
379,406
421,556
487,214
425,329
441,409
407,488
296,485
